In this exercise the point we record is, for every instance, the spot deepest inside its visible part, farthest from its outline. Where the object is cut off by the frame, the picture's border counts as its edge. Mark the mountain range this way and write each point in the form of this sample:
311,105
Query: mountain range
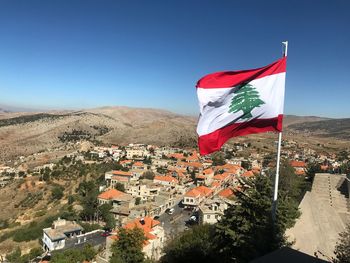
24,133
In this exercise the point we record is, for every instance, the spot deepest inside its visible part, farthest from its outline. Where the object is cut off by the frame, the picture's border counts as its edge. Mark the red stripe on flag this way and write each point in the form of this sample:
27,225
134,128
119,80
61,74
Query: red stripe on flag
212,142
225,79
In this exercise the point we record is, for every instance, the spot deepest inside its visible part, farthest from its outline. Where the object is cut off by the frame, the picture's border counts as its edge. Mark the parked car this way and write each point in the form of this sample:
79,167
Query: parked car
171,211
193,218
105,234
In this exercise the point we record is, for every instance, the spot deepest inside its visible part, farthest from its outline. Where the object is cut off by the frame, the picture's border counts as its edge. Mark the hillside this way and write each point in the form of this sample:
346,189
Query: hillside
25,133
338,128
28,133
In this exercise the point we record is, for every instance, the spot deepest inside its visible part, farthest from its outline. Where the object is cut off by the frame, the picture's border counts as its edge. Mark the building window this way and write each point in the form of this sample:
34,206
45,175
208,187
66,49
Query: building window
208,216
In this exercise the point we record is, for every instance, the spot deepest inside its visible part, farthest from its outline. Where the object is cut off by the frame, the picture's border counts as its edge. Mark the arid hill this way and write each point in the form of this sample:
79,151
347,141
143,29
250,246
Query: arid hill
28,133
31,132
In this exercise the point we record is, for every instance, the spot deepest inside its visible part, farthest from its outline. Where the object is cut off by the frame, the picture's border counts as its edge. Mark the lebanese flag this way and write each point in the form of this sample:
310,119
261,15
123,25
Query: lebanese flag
236,103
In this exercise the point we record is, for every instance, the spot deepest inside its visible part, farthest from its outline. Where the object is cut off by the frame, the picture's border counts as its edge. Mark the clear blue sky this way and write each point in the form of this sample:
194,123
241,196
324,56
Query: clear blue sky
79,54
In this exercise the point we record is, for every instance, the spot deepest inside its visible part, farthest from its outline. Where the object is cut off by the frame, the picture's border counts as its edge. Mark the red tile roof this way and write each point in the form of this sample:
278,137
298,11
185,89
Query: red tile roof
226,192
176,156
147,226
248,174
208,171
297,164
110,194
149,223
199,191
138,164
166,178
125,161
121,173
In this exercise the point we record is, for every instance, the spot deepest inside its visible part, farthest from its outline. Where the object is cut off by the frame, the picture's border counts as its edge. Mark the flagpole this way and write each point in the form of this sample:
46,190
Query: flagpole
275,193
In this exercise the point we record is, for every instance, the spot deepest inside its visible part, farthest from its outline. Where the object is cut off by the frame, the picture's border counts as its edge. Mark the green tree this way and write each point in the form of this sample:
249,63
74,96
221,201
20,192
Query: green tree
128,247
342,249
106,216
120,187
74,255
137,200
246,165
195,245
87,194
246,99
148,175
57,192
246,230
15,256
218,158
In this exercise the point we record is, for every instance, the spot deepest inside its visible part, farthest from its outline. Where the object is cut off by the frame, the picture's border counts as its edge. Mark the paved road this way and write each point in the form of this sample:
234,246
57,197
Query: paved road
175,223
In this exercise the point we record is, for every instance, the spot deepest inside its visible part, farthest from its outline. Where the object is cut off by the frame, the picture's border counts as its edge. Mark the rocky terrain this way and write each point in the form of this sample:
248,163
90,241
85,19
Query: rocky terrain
22,134
25,133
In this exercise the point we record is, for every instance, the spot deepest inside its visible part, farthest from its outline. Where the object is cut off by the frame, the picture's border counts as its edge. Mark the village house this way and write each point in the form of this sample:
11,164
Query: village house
125,163
117,176
122,203
136,152
165,180
145,189
153,231
55,237
160,162
211,210
206,177
196,195
299,167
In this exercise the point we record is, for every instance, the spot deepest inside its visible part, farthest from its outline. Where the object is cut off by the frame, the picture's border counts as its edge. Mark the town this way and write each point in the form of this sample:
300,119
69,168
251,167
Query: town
162,190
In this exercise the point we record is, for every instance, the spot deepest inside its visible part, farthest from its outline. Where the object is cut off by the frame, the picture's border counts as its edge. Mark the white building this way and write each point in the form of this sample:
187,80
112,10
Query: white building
55,237
211,211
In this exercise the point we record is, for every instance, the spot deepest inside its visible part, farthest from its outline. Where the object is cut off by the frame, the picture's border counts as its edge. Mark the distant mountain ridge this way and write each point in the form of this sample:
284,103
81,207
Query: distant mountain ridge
338,128
29,132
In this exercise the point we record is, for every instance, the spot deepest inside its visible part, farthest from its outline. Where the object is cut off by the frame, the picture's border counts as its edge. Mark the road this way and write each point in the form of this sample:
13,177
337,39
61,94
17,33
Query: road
175,223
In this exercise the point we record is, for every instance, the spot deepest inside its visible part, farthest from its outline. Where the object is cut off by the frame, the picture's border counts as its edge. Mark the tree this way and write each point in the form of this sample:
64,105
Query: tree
15,256
195,245
342,249
106,216
57,192
246,165
88,191
147,160
137,200
120,187
246,99
148,175
75,255
218,158
246,230
128,247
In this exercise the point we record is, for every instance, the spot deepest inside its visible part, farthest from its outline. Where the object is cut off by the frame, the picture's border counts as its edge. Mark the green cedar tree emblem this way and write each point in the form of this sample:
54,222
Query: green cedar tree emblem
246,100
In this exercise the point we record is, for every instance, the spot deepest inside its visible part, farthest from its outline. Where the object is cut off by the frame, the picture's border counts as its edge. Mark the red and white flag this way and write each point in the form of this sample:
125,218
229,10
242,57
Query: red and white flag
236,103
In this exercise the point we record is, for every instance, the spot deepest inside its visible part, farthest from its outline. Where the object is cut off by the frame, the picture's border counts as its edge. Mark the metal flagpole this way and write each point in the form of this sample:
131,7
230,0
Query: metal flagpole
275,193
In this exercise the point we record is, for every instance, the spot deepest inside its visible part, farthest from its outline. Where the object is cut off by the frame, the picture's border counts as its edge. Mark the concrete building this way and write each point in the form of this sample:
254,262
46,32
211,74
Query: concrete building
165,180
211,210
205,177
146,190
196,195
117,176
55,237
325,211
122,203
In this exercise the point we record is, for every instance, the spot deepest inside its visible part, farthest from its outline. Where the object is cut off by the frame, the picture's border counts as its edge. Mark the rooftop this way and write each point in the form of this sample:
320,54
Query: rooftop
60,227
110,194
